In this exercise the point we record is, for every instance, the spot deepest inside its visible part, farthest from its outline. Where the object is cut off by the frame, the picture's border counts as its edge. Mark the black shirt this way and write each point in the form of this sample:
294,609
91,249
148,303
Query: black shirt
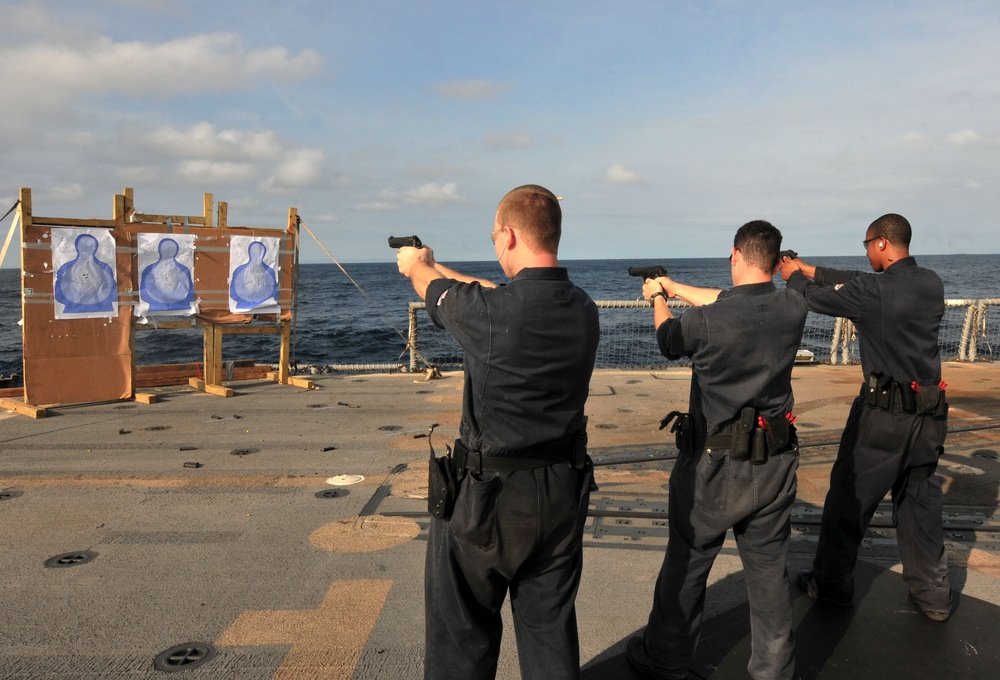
897,313
530,347
742,349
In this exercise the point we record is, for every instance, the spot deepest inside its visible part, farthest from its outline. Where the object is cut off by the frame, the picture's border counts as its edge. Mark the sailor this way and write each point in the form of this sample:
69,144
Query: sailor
738,457
897,425
524,476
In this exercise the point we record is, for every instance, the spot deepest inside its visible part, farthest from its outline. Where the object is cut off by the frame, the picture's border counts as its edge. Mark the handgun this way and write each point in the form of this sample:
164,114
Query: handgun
647,272
400,241
790,254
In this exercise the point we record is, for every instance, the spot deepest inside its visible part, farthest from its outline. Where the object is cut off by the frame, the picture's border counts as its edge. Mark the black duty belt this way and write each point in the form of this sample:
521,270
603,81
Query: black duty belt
885,393
572,451
749,437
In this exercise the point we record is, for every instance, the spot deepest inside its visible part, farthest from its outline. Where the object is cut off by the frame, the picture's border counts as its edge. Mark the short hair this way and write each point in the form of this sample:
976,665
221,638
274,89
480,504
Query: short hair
893,227
760,242
535,211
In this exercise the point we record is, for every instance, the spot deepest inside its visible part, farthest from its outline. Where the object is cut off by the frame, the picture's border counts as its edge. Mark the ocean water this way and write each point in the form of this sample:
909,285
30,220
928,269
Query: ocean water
338,323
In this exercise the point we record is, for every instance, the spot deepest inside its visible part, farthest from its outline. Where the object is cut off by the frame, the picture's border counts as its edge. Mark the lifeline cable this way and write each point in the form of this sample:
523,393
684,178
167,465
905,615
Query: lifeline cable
367,297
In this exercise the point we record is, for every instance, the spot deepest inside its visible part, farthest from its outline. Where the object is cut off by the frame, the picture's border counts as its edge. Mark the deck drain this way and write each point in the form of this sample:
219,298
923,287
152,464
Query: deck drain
71,559
243,452
391,428
632,382
607,426
317,406
8,494
124,406
157,428
332,493
985,455
184,657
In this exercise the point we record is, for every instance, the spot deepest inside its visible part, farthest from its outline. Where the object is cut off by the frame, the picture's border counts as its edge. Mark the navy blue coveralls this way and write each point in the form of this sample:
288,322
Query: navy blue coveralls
898,314
742,349
530,347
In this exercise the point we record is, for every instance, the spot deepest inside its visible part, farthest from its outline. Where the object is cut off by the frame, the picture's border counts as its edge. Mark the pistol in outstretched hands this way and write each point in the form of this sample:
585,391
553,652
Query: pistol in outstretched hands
400,241
652,272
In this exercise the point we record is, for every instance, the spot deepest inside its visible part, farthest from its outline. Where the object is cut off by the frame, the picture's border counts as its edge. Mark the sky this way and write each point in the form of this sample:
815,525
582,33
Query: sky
663,126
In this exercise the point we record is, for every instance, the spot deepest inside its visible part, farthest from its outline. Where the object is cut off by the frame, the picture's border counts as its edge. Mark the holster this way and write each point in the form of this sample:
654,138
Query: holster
681,429
739,449
442,483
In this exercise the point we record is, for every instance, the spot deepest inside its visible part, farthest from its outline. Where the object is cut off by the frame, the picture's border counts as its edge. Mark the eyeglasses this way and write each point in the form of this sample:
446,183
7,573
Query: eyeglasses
495,234
865,243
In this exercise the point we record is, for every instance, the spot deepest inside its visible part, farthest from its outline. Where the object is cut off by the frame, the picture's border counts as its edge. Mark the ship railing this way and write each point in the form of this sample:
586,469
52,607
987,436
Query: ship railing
970,331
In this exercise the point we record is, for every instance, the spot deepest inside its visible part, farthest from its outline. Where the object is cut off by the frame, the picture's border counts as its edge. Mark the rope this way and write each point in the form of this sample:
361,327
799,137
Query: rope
10,234
367,297
16,203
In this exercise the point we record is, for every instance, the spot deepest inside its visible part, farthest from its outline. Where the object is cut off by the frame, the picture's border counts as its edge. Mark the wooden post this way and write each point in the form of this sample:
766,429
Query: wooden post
284,354
129,194
215,377
208,210
223,214
212,383
21,405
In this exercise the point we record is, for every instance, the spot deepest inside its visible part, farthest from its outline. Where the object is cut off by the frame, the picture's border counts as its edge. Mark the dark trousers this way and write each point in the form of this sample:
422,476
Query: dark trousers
520,531
709,494
877,452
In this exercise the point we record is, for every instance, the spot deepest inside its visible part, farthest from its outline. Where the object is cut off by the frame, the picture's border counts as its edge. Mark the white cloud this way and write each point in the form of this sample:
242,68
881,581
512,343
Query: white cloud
472,89
619,174
300,168
434,195
50,72
202,140
215,171
964,138
973,184
208,154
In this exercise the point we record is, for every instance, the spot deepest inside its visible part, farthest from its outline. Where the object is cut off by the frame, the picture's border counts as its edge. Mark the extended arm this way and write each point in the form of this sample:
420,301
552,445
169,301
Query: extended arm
449,273
693,295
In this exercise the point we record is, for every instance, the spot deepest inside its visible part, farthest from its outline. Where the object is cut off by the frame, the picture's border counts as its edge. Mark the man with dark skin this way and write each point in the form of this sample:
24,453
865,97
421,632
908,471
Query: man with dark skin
525,478
897,425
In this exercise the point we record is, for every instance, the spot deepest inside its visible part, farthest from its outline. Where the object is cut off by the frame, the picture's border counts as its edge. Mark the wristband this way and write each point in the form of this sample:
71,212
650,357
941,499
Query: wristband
656,295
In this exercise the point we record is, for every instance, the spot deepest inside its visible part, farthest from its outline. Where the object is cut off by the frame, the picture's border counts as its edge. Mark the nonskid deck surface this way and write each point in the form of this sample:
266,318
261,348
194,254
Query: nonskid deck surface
208,527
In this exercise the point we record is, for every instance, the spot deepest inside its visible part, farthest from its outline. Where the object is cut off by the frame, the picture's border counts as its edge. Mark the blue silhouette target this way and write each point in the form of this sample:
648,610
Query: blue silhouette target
253,283
85,285
166,285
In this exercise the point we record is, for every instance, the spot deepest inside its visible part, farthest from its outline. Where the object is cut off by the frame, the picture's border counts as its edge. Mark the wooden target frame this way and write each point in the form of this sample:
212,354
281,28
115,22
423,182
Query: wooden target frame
85,360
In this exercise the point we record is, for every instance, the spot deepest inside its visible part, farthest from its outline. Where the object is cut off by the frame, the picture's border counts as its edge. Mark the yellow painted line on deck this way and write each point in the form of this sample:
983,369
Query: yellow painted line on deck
327,641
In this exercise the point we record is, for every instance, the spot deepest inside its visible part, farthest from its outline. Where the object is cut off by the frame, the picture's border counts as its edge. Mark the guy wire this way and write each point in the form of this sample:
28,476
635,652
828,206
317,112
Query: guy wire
367,297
